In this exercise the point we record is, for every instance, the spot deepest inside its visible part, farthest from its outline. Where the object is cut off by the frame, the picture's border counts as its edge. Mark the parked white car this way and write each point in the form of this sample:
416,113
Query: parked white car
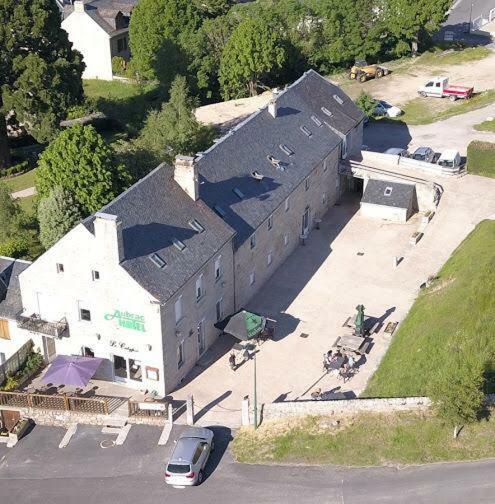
385,109
450,158
397,151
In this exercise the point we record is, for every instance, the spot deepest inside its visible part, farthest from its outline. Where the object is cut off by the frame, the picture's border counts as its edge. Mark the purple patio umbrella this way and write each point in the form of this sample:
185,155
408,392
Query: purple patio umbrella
71,370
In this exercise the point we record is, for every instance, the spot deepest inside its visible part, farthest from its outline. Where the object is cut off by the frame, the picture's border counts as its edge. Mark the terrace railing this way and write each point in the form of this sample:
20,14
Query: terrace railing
35,323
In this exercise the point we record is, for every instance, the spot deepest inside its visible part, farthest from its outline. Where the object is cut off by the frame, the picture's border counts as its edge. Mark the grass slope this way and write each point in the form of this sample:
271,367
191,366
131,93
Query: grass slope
459,304
481,158
21,181
486,126
406,438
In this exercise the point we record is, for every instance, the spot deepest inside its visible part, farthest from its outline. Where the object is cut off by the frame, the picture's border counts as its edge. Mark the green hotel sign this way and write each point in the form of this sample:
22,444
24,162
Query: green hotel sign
127,320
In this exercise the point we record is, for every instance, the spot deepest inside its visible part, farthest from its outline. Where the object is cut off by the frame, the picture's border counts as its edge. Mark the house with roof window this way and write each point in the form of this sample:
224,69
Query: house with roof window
99,30
142,282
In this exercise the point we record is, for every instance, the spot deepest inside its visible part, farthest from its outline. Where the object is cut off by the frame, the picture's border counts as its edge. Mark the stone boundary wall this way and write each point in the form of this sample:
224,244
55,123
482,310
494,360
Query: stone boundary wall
343,407
55,418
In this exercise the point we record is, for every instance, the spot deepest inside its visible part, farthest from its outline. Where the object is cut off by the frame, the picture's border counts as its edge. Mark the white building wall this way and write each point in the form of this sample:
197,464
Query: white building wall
92,42
185,331
383,212
17,338
55,295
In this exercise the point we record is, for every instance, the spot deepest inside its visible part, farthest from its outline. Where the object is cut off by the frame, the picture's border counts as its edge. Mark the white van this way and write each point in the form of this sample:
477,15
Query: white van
450,158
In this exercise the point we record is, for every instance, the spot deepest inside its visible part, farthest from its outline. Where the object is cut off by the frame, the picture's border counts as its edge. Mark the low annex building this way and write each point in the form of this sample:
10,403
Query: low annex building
387,200
142,282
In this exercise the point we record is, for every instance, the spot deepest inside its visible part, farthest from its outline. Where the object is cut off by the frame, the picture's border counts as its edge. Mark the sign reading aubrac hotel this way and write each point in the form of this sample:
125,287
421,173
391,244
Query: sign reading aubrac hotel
127,320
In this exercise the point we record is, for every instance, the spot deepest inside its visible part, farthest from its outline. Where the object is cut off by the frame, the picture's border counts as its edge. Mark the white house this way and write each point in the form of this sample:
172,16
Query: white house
99,30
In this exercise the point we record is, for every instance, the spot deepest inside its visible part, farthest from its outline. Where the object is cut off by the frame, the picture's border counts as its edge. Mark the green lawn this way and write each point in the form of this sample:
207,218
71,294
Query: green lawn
459,305
27,204
125,102
21,181
429,110
486,126
438,57
481,158
406,438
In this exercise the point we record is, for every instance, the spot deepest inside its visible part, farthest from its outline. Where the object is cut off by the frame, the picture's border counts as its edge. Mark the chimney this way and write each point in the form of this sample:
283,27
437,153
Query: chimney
108,234
272,104
186,175
79,5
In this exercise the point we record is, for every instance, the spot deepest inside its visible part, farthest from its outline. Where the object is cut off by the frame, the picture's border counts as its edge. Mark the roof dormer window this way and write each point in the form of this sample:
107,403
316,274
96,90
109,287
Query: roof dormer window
338,99
326,111
306,131
157,261
388,191
238,193
316,120
178,244
286,150
196,225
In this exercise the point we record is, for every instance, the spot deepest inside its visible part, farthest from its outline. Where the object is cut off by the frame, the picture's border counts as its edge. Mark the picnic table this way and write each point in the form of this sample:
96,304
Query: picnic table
352,343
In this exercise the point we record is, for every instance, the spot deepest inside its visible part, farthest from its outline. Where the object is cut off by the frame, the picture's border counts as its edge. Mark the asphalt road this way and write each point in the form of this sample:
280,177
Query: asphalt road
462,11
36,471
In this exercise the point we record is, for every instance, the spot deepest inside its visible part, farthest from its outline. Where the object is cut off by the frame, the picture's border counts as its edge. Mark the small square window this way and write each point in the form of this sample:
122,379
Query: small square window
180,354
253,241
306,184
286,239
219,310
270,222
325,165
218,267
60,268
287,205
324,198
85,315
199,288
178,308
252,278
269,258
388,191
96,275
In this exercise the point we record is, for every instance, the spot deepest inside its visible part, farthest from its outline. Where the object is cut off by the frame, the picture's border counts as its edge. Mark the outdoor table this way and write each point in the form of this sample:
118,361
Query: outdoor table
349,342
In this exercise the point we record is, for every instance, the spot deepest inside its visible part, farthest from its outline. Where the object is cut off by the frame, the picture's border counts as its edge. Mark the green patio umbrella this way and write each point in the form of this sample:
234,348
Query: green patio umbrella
359,324
243,325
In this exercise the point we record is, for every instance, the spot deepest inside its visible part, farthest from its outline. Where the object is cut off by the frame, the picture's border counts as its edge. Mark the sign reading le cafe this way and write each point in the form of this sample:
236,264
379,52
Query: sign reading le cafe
127,320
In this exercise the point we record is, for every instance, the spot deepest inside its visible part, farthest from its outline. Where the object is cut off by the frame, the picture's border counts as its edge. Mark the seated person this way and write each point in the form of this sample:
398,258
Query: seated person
328,357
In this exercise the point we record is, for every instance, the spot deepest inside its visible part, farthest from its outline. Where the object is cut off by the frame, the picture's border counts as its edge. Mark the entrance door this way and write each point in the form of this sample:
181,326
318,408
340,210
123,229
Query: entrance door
9,419
49,349
305,221
120,368
201,337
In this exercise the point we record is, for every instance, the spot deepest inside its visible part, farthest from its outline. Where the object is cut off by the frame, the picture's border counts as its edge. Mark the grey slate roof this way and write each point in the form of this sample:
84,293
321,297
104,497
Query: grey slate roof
10,294
153,212
230,162
104,12
400,197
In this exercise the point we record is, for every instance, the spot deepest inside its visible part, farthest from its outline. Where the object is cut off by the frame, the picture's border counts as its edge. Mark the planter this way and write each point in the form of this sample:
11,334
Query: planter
18,431
427,217
415,237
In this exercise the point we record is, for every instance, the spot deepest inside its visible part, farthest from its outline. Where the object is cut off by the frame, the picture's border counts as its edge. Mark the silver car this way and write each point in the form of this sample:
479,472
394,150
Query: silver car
191,452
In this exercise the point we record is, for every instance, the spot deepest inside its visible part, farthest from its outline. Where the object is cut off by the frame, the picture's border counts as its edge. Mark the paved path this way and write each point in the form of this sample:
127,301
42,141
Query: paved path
453,133
37,472
30,191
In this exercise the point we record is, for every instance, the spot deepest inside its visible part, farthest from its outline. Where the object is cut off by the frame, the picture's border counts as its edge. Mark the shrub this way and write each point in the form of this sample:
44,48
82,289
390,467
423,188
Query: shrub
366,103
82,110
17,247
11,383
119,66
15,169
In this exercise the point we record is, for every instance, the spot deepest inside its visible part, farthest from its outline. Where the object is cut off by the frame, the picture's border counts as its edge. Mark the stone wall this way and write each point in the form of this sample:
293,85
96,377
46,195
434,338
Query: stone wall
344,407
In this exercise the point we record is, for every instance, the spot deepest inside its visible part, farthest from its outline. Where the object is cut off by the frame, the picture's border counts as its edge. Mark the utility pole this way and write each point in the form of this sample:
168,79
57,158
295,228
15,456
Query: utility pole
470,17
255,407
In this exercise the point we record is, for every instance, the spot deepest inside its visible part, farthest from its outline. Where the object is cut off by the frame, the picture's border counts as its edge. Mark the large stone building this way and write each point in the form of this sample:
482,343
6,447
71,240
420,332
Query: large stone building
142,282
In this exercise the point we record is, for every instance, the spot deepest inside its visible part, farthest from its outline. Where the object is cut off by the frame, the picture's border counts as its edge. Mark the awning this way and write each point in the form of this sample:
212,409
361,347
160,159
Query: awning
71,370
243,325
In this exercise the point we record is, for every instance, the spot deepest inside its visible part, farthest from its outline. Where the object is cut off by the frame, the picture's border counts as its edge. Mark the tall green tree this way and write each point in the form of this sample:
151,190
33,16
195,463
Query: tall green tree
174,129
457,391
82,163
254,54
9,213
411,23
159,33
57,214
214,8
40,74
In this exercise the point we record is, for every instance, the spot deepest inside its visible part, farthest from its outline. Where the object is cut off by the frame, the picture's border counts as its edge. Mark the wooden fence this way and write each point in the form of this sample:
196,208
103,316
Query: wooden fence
54,402
16,361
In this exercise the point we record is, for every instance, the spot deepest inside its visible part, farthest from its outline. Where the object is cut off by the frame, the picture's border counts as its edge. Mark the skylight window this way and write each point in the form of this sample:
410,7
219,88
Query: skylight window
388,191
220,211
178,244
196,225
306,131
338,99
286,149
238,193
157,260
257,175
316,120
326,111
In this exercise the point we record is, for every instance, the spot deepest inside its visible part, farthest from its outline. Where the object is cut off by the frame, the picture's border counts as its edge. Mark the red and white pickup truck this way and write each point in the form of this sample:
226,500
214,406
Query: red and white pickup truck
439,87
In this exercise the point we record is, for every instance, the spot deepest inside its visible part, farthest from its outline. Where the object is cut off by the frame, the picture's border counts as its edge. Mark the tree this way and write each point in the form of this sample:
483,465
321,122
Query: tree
79,161
16,246
411,23
57,214
366,103
457,391
252,56
9,213
40,74
214,8
159,32
174,129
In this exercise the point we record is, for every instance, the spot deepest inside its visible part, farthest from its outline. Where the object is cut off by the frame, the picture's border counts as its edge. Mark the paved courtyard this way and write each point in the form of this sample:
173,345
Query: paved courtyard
347,262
